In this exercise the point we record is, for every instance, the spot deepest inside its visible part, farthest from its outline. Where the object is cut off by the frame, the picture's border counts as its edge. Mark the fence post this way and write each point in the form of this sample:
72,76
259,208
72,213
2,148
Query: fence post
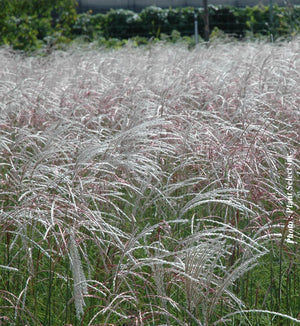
196,26
271,16
206,21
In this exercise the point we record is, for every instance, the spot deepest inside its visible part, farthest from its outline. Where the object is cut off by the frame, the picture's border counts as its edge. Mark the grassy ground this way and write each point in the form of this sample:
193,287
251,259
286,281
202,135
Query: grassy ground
150,186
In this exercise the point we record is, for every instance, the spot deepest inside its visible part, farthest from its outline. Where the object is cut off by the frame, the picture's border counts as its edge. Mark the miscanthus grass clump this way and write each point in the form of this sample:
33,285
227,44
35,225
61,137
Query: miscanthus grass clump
149,186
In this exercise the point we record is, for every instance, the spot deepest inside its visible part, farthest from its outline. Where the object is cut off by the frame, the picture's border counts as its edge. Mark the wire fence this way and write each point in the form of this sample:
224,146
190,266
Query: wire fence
138,5
153,21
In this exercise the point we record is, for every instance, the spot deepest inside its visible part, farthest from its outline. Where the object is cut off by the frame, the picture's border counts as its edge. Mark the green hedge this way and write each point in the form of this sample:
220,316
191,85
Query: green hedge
153,21
29,24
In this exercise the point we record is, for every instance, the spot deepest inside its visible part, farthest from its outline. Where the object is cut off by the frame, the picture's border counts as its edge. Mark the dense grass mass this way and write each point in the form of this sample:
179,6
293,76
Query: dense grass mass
148,186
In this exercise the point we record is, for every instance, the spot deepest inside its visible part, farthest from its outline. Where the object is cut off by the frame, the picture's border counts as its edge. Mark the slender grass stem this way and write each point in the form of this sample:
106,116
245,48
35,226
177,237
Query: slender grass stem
49,296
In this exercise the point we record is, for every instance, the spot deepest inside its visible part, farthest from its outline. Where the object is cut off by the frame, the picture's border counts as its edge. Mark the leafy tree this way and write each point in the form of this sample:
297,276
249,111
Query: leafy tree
25,23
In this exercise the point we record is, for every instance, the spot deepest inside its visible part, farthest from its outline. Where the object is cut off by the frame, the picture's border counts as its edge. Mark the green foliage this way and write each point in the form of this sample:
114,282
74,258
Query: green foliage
217,34
114,43
21,32
154,22
258,19
139,40
84,26
28,25
286,21
121,23
228,19
175,36
186,21
24,23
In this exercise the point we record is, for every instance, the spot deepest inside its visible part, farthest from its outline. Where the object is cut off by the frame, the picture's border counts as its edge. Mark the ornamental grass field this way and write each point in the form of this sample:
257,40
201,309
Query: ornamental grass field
150,186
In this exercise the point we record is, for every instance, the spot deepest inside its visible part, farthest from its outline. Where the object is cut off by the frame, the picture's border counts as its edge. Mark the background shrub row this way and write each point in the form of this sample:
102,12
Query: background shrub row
26,24
153,21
